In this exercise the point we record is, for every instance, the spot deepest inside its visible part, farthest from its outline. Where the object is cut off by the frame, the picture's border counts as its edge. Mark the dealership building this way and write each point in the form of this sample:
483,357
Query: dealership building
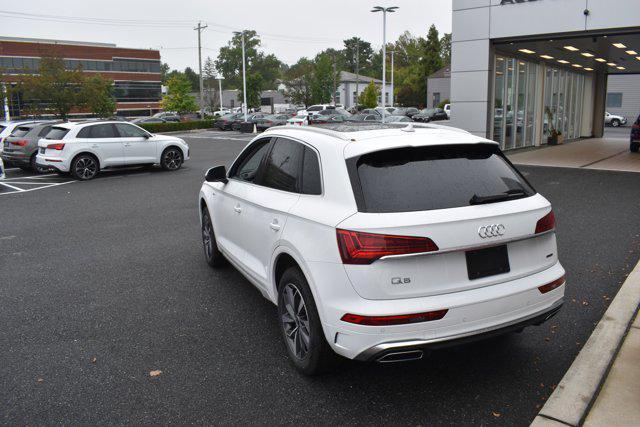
521,69
135,72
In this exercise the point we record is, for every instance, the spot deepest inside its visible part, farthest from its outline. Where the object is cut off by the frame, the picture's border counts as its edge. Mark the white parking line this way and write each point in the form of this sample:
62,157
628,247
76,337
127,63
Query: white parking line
11,186
35,183
20,190
33,177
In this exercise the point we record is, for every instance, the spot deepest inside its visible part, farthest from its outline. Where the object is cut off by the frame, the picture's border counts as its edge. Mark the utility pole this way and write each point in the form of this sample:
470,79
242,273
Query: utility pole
220,90
200,29
391,97
357,70
384,52
244,74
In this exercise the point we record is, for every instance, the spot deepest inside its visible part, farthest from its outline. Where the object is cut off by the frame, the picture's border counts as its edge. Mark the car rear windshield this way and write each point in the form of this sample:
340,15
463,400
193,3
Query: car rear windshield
21,131
57,133
437,177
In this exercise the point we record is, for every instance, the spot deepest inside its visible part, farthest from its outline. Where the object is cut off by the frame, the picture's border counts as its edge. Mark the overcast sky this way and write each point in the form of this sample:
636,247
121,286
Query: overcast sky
289,29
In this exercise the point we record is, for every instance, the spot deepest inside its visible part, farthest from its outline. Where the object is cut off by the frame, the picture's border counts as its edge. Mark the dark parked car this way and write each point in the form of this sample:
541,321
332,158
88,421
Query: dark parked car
167,116
397,119
635,136
21,147
143,120
225,122
251,118
430,115
409,111
266,122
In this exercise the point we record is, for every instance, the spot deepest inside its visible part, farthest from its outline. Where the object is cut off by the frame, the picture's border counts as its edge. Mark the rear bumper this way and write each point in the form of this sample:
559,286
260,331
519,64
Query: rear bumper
19,158
49,162
378,352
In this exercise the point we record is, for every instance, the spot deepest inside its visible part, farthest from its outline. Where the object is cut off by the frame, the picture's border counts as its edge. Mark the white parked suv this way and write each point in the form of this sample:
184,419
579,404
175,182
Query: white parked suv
84,148
380,242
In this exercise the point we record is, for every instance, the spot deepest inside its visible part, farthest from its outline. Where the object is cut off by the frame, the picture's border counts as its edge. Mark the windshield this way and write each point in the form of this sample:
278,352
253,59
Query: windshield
436,177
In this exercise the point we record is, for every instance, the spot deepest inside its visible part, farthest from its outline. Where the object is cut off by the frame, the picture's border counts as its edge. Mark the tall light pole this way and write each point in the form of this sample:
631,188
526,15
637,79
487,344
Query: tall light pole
392,92
220,89
384,11
200,29
244,75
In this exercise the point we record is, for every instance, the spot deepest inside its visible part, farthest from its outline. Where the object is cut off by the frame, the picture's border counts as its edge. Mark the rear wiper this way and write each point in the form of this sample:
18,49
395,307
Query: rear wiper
507,195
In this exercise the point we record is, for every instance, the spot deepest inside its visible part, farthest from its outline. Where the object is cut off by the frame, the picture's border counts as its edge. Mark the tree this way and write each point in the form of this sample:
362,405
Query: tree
178,98
164,72
209,75
322,82
432,58
98,96
54,88
369,96
445,48
352,47
298,80
194,79
254,89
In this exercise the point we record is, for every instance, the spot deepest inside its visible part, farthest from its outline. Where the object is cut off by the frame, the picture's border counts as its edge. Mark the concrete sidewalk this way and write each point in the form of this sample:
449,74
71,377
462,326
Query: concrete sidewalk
602,386
593,153
618,403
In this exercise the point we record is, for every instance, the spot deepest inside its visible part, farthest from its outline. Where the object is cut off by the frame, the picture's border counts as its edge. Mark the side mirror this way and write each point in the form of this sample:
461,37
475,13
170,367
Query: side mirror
216,174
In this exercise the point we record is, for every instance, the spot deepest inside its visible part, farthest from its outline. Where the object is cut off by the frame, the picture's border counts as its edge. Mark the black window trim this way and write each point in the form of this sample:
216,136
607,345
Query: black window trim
241,157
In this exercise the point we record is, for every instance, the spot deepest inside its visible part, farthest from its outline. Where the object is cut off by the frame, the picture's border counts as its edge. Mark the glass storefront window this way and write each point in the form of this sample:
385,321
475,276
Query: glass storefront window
498,99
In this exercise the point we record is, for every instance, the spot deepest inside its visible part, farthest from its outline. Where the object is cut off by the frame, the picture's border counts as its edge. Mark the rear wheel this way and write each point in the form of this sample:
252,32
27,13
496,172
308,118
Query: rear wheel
615,123
171,159
300,325
635,146
35,167
84,167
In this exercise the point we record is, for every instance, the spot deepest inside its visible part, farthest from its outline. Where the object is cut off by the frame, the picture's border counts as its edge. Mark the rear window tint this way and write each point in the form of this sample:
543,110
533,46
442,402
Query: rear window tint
57,133
20,131
311,182
428,178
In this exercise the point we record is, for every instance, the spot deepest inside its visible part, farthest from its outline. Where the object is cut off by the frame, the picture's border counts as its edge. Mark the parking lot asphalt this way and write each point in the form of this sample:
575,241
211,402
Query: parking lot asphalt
102,282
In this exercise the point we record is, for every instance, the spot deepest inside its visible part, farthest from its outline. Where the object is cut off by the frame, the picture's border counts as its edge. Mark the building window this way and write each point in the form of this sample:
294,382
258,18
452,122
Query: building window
355,97
436,99
614,100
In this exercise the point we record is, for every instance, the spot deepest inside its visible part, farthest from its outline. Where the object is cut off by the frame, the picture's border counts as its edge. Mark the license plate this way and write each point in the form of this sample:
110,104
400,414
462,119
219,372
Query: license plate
487,262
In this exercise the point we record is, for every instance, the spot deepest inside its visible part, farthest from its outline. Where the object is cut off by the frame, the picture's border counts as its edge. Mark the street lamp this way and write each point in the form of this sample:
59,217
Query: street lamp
244,75
219,77
384,11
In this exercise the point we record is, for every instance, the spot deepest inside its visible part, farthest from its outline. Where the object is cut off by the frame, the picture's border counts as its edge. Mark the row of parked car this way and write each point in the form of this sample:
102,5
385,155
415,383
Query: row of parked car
325,113
84,148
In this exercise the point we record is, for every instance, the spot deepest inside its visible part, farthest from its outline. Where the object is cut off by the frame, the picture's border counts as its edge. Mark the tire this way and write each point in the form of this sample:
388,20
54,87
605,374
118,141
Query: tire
34,167
615,123
171,159
212,254
635,146
298,318
84,167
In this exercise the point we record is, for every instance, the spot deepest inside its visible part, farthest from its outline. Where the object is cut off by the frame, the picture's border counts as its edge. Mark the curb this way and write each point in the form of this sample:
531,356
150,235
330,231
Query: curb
578,389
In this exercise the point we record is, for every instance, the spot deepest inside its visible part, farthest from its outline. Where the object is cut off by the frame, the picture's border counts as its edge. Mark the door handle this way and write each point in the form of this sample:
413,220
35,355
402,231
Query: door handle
94,146
126,144
274,225
237,208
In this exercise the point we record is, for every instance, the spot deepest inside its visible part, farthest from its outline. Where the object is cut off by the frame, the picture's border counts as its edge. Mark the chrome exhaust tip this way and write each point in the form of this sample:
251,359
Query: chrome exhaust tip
401,356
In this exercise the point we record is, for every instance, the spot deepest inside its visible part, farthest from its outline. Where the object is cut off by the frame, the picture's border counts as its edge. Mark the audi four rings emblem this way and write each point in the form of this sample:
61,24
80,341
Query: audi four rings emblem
493,230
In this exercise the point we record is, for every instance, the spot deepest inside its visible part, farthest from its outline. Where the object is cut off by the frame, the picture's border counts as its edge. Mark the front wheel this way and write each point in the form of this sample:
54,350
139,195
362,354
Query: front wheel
300,325
171,159
211,252
84,167
615,123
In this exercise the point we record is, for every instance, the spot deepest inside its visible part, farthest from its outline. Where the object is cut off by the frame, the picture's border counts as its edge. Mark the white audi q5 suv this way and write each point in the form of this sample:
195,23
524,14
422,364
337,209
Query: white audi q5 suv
380,242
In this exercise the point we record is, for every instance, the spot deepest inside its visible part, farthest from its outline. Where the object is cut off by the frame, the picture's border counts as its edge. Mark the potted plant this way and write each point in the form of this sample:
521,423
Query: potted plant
555,136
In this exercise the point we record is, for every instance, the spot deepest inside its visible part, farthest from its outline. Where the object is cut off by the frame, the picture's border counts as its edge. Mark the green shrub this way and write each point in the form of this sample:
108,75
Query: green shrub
177,126
443,103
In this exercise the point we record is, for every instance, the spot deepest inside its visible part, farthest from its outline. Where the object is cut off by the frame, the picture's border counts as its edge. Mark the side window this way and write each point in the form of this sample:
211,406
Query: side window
98,131
130,131
282,168
311,182
247,166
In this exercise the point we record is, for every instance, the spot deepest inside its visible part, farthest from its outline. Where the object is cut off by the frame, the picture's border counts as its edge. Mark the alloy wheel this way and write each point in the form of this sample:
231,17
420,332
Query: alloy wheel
295,321
172,160
86,168
207,237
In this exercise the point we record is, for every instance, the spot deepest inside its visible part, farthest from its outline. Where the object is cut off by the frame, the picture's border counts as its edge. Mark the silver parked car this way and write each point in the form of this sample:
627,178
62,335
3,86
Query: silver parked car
614,120
21,146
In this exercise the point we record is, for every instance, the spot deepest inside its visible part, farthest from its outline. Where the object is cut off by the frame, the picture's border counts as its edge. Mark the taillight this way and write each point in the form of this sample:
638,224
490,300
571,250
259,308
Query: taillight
20,142
551,286
364,248
401,319
546,223
58,146
635,126
269,123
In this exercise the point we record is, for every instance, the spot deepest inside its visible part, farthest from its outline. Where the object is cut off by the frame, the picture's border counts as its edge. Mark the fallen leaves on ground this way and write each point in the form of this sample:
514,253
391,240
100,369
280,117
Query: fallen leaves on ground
496,414
94,359
155,373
